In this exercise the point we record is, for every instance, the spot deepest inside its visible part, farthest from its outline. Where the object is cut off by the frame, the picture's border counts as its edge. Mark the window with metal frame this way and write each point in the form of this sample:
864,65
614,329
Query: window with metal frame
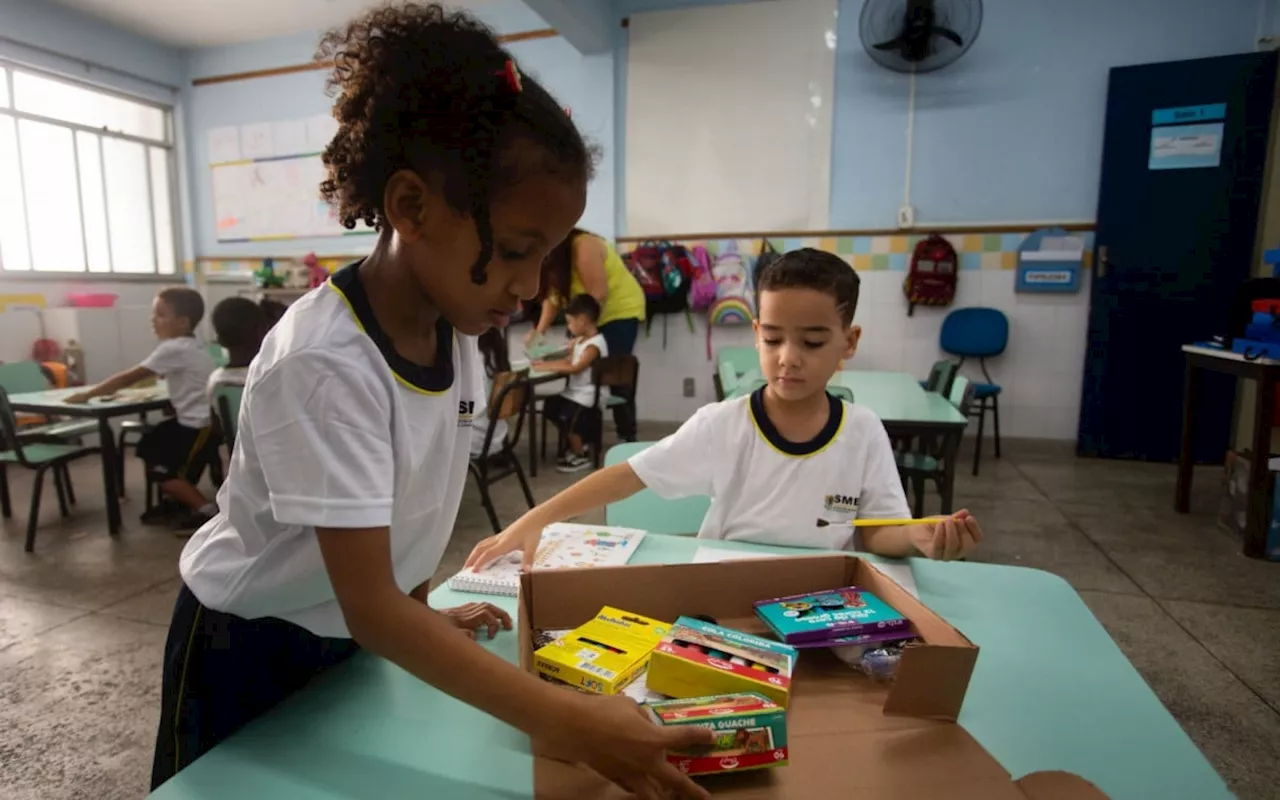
87,178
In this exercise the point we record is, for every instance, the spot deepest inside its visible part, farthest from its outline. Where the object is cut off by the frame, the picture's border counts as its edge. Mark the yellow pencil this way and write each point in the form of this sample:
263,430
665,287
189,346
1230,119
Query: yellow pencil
876,523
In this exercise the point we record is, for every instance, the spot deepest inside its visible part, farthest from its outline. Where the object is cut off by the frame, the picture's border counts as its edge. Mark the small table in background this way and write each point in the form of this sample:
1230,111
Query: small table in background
1266,373
536,378
124,404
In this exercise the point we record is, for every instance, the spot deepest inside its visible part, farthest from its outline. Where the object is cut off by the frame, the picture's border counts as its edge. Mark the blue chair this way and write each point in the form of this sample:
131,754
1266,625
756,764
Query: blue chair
979,333
648,512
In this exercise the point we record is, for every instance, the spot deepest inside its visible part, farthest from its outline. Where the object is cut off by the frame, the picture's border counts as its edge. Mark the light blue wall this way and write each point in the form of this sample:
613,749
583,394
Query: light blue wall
584,83
1013,130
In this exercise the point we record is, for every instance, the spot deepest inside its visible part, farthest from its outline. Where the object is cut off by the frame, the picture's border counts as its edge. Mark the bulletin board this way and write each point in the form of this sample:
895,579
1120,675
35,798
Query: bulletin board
272,198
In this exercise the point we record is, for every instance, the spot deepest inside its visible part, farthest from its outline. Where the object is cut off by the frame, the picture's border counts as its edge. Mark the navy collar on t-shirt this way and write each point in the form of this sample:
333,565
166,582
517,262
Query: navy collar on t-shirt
835,415
433,379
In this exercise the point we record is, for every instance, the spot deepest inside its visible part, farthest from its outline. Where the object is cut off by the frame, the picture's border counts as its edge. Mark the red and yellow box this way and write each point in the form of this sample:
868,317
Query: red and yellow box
602,656
696,659
750,729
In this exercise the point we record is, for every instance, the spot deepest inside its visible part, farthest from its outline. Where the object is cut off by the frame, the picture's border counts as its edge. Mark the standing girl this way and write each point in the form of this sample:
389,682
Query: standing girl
355,423
586,264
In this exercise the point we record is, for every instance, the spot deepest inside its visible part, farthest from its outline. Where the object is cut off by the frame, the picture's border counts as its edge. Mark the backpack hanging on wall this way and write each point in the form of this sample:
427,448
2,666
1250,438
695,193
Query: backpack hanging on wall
702,287
664,271
931,280
733,304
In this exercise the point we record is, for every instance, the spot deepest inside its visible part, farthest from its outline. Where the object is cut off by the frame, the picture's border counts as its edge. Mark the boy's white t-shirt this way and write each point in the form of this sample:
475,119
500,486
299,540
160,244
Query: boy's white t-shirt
338,431
225,376
769,490
185,365
580,389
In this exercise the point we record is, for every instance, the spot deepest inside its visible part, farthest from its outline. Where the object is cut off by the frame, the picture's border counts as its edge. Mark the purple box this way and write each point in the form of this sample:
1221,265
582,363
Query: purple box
863,638
827,615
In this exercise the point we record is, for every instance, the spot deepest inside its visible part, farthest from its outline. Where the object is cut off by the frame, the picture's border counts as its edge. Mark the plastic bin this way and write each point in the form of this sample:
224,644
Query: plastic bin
91,299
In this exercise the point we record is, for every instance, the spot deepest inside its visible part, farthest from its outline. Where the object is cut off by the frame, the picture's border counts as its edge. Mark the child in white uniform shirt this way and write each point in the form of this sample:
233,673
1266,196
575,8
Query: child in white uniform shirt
240,325
572,410
355,427
788,455
176,450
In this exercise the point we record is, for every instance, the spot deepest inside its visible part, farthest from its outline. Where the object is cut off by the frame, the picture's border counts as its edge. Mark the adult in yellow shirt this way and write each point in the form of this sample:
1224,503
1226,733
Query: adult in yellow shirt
585,263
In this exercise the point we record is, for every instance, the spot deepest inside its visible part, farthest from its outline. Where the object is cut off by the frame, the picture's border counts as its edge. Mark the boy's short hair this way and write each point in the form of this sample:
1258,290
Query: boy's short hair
583,305
819,270
238,322
185,303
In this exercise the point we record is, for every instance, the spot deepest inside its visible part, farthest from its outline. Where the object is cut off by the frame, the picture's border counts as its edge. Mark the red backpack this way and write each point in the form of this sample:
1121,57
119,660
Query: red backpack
932,278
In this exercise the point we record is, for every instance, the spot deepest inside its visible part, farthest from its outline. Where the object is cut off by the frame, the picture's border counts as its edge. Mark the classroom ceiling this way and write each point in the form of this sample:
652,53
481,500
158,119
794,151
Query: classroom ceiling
209,23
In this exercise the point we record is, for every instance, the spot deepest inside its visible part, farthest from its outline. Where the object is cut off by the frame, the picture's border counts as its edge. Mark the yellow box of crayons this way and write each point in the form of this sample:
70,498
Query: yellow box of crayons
602,656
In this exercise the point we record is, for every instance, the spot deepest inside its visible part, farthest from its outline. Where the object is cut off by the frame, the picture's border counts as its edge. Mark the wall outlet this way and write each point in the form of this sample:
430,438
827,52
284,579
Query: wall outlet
688,387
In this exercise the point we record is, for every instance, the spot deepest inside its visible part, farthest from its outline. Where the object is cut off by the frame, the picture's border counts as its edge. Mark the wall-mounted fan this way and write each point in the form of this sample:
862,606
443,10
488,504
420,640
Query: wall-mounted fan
919,35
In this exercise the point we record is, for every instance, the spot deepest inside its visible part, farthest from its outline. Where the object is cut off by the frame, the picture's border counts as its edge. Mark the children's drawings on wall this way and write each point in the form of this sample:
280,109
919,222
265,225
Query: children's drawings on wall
275,139
274,199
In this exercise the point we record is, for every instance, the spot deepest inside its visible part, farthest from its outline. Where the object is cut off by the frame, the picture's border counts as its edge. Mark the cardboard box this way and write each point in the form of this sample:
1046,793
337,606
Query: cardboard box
603,655
847,735
751,732
696,659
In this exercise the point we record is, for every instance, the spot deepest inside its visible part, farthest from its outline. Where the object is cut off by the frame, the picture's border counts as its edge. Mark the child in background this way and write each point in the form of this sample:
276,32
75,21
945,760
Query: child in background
778,461
355,426
566,410
240,324
176,450
493,349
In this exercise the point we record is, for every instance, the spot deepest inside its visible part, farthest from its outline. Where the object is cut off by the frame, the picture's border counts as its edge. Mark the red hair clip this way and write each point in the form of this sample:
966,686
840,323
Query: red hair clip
512,75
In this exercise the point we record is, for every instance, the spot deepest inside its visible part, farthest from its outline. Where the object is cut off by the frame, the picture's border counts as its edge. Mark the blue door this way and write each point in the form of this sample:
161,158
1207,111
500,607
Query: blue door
1182,174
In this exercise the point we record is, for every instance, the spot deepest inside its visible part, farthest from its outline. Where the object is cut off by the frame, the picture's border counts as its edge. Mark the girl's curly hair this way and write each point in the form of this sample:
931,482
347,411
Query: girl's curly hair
418,87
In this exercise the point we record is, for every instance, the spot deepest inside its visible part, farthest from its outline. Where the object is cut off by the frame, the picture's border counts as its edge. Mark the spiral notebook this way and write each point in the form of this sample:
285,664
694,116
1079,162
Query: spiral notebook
564,545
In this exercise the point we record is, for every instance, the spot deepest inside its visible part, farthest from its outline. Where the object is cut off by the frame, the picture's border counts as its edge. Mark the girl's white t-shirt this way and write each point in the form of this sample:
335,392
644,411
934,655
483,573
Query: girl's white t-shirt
336,430
768,490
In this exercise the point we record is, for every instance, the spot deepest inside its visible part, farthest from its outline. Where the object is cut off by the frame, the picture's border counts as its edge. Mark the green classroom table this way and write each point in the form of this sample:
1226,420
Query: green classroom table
126,403
1050,691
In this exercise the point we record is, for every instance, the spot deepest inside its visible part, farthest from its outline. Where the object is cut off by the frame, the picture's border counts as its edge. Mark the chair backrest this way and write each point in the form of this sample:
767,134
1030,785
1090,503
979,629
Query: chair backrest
741,359
226,401
961,394
841,392
9,427
940,377
217,353
17,377
508,400
975,332
728,378
612,371
648,511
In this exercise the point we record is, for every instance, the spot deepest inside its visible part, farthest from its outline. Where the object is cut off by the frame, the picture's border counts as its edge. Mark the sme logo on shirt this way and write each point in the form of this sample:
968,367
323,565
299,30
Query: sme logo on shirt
466,411
840,502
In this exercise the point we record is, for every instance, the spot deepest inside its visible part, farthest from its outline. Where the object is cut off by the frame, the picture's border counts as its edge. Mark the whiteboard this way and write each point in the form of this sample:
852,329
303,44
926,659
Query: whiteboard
746,146
276,198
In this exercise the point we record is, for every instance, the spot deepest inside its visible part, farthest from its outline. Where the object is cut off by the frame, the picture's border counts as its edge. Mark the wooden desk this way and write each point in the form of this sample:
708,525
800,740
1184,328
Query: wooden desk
1266,373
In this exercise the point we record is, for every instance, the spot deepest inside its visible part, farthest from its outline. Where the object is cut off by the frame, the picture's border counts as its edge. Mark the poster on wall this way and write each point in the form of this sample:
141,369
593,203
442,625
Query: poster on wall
1187,138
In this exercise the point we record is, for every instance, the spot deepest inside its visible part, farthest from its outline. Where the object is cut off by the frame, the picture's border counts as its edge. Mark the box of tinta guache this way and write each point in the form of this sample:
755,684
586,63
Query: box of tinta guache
696,658
750,732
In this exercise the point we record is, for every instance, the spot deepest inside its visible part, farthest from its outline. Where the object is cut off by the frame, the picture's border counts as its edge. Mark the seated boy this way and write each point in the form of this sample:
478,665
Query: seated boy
240,325
176,450
568,410
787,464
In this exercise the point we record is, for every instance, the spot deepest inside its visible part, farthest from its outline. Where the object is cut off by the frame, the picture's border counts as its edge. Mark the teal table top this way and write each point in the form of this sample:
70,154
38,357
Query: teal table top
123,402
893,396
1050,691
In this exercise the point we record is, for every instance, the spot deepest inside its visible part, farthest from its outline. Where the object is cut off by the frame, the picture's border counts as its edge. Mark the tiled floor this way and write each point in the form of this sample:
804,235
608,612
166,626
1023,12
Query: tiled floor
82,621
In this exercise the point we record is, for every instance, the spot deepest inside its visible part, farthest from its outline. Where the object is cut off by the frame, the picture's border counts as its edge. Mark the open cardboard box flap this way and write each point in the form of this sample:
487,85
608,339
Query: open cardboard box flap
846,732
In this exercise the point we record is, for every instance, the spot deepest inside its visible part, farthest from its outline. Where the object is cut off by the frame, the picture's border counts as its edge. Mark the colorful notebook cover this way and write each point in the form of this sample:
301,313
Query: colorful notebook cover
564,545
827,615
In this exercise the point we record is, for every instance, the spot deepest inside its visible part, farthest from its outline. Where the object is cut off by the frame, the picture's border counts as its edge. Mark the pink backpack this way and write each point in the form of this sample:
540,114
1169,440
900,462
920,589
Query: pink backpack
702,290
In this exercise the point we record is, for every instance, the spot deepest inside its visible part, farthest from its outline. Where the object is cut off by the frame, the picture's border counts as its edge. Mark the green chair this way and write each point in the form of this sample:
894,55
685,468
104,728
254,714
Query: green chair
39,457
27,376
226,405
940,377
647,511
840,393
742,359
218,353
728,379
935,459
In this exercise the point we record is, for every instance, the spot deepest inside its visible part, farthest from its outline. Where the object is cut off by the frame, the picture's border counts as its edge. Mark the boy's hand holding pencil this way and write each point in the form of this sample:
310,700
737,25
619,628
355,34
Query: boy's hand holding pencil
947,538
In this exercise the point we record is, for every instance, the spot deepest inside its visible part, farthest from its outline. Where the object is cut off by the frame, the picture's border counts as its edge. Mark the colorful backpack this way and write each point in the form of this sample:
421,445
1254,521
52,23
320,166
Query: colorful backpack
733,304
932,278
664,271
702,289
